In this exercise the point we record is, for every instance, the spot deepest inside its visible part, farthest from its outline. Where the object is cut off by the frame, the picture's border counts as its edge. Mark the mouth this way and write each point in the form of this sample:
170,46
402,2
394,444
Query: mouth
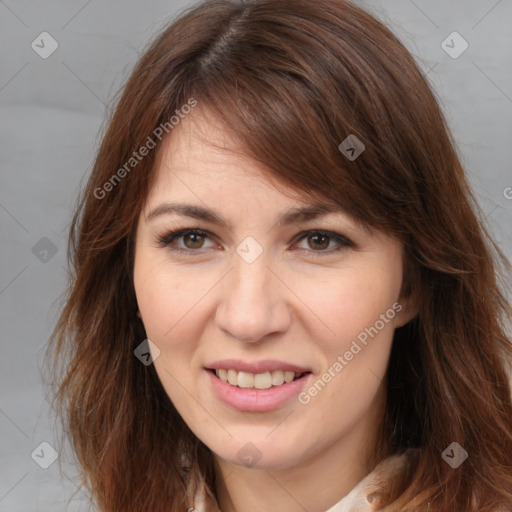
257,386
263,380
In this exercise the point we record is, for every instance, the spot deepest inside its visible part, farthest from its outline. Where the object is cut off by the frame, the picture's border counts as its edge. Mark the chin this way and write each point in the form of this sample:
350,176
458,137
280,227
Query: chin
259,454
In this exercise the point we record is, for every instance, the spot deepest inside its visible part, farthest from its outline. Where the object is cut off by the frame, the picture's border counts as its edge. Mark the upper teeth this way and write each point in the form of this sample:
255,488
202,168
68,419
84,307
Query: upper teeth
256,380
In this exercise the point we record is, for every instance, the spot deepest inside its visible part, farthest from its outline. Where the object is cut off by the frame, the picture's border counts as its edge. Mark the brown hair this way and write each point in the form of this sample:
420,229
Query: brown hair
292,79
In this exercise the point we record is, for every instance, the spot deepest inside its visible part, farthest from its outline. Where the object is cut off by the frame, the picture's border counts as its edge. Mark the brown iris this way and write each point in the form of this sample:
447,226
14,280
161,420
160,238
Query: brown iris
317,236
194,238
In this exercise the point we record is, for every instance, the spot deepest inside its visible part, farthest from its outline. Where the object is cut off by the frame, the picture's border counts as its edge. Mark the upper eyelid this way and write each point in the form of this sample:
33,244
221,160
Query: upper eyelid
181,232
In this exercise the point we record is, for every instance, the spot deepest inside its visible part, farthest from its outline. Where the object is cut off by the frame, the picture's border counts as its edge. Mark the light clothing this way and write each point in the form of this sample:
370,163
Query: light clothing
361,497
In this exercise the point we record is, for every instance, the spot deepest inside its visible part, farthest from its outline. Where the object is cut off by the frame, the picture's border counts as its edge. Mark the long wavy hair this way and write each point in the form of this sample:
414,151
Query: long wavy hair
293,79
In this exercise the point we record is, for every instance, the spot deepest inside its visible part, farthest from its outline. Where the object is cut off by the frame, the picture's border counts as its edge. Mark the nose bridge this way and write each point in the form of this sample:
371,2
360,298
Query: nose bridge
251,279
253,304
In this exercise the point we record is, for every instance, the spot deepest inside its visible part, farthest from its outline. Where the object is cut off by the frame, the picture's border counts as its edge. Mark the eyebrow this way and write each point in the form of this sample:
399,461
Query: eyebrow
292,216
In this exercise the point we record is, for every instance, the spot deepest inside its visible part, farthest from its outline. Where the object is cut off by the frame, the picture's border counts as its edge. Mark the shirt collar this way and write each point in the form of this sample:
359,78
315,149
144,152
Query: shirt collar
364,497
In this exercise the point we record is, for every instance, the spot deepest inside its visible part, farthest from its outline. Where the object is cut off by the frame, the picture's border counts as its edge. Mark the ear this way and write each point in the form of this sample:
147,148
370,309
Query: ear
407,308
138,314
409,296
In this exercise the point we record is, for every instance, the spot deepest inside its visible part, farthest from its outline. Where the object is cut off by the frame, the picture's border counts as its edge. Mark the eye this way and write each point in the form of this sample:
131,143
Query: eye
193,239
318,241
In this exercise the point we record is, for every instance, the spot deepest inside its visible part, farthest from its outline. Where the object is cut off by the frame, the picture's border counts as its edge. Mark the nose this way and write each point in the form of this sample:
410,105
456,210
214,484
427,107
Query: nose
254,302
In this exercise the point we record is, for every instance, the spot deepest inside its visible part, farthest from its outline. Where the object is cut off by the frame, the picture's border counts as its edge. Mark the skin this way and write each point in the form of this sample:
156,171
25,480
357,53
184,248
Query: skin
299,301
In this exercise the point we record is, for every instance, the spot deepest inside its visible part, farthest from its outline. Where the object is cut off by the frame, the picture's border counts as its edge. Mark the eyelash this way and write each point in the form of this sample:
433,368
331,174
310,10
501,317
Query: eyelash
168,238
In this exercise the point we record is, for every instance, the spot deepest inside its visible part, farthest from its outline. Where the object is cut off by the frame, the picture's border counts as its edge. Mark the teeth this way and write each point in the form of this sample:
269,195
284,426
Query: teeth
263,380
289,376
232,377
256,380
277,378
245,380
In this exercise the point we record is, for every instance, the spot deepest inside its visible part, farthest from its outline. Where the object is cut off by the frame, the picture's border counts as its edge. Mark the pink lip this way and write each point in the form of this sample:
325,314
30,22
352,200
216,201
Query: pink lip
256,367
256,400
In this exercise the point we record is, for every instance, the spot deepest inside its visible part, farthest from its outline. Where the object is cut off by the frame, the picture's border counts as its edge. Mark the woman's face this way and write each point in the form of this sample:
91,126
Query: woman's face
262,298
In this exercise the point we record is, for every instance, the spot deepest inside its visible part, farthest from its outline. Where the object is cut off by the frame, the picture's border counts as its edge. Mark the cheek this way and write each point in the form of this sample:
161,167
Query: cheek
173,317
164,298
174,308
358,308
355,301
166,303
155,298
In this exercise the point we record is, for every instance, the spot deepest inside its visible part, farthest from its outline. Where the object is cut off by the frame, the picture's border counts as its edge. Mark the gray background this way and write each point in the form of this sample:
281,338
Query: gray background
52,111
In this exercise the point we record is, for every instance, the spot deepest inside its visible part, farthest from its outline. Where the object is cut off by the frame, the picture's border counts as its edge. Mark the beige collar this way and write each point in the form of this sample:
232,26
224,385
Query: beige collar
363,498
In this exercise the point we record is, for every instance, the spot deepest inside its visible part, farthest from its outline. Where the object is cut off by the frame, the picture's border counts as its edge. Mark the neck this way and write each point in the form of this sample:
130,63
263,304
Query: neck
315,484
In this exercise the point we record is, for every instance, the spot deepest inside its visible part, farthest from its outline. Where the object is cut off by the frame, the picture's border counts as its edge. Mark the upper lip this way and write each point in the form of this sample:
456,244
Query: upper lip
256,366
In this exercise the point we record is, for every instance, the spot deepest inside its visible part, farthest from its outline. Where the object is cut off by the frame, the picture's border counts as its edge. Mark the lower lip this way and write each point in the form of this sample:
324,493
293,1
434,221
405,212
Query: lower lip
257,400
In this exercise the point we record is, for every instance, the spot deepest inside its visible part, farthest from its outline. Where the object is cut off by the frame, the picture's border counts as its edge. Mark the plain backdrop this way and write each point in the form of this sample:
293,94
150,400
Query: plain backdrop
52,110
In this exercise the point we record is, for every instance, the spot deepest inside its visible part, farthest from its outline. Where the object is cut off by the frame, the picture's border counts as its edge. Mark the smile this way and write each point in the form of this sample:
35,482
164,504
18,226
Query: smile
262,391
263,380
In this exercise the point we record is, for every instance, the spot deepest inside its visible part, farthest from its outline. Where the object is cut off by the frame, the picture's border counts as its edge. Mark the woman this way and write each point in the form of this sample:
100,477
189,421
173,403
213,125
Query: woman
283,296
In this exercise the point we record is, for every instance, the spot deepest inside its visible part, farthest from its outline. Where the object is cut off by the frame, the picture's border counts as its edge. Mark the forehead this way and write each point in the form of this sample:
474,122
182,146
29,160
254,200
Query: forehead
202,152
203,172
